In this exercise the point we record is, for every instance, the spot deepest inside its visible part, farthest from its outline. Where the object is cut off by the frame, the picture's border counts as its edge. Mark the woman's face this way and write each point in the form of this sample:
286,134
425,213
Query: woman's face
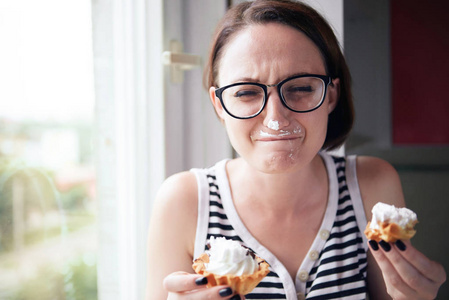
277,140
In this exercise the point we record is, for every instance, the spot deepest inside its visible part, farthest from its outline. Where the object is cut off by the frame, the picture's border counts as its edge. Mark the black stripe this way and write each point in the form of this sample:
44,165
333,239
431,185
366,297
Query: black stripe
342,189
345,221
341,294
341,178
265,296
337,270
221,226
339,282
341,169
361,262
338,159
344,199
344,233
217,194
217,214
360,266
342,211
213,184
215,203
276,285
363,270
339,246
272,274
212,176
337,258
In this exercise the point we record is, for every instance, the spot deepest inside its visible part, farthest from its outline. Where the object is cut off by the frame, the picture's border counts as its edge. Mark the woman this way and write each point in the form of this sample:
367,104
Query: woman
280,85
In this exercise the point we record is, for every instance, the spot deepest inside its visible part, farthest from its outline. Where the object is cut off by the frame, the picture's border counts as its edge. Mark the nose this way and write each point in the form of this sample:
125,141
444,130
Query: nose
275,111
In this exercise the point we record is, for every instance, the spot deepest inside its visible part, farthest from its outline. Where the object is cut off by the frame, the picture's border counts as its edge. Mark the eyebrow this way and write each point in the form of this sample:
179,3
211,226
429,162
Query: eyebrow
249,79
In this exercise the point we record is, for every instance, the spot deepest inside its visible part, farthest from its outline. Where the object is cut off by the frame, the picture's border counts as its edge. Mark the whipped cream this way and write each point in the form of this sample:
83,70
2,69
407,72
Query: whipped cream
281,133
272,124
389,213
228,257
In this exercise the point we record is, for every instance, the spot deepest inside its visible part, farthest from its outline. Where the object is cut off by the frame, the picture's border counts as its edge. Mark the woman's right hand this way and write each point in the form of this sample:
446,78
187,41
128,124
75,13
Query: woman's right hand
182,285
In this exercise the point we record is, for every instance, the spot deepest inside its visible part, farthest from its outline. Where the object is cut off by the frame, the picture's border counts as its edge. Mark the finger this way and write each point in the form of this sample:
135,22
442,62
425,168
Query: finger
213,293
186,286
409,274
396,287
183,282
216,293
430,269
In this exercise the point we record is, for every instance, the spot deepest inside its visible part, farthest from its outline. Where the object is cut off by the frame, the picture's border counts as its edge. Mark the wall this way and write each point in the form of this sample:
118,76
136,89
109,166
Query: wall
424,169
419,47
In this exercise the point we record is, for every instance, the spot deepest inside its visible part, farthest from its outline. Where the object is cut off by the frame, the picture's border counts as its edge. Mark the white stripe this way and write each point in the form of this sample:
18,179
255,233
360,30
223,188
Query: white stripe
203,215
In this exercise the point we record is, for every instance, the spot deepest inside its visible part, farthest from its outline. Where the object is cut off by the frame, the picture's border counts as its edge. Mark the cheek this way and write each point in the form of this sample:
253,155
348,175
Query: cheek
238,132
316,125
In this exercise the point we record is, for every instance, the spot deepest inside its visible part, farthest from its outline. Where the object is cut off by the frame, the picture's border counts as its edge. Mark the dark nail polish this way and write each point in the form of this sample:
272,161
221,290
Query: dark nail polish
374,245
235,297
225,292
400,245
201,281
386,246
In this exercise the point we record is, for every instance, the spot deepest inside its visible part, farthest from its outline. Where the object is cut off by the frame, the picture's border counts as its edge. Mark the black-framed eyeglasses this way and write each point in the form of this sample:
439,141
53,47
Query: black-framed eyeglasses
301,94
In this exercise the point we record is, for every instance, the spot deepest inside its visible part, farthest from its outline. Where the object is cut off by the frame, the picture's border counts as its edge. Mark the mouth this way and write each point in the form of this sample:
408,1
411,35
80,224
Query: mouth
281,135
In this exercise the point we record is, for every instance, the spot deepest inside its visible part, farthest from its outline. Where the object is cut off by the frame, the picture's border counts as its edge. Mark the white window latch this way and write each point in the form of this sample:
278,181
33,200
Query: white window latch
179,61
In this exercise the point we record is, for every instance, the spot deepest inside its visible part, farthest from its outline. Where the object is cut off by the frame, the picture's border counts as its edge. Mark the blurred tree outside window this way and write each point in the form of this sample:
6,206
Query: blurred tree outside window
48,223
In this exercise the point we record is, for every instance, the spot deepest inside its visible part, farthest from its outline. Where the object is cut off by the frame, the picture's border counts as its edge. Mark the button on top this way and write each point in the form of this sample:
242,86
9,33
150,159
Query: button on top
300,296
303,276
324,234
313,255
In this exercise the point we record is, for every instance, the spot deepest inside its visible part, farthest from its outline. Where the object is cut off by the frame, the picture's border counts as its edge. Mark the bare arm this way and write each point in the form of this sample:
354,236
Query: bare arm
171,244
171,232
401,271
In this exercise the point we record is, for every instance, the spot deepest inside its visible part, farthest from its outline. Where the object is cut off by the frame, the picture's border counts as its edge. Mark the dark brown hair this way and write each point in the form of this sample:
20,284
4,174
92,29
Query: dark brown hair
305,19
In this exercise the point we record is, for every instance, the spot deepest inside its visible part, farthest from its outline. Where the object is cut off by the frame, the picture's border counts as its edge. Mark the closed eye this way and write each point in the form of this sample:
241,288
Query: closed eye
246,93
296,89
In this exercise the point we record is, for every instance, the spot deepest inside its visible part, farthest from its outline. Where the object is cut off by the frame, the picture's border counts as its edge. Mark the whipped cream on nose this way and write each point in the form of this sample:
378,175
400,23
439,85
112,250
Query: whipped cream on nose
273,124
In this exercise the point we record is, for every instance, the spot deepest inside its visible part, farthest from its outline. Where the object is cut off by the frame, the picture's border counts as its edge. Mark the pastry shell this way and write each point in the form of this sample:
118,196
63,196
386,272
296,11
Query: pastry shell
241,285
390,232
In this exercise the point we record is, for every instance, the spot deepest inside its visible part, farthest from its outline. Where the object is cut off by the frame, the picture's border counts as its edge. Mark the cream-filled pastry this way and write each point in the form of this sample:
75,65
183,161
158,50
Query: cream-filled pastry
228,263
390,223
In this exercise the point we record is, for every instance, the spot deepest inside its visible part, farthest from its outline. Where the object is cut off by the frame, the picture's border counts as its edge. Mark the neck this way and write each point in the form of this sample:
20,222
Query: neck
278,193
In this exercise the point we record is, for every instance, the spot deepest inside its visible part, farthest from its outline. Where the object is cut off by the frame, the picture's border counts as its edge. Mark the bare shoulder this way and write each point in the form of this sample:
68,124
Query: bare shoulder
172,230
379,182
176,206
178,189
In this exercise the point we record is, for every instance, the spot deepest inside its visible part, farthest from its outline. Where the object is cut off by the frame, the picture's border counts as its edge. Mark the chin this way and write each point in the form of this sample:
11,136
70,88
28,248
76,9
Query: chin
279,163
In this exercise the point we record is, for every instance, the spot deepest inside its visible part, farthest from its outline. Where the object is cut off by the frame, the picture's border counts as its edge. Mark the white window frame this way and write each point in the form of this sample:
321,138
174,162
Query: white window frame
145,129
129,112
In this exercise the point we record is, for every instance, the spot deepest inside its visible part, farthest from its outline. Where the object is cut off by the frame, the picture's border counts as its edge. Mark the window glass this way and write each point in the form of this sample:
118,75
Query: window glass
48,236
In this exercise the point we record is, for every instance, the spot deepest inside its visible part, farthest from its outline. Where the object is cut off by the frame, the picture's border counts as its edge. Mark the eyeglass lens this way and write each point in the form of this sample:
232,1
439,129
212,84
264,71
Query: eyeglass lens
299,94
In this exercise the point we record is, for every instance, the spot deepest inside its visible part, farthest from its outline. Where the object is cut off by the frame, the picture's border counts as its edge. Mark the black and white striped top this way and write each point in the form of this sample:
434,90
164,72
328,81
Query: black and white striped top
335,267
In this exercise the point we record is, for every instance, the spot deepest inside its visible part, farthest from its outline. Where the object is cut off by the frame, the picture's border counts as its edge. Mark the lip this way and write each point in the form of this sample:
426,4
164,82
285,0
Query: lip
282,135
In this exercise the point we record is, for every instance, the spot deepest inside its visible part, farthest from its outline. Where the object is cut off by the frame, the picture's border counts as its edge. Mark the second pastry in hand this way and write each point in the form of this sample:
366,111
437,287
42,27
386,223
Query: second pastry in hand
390,223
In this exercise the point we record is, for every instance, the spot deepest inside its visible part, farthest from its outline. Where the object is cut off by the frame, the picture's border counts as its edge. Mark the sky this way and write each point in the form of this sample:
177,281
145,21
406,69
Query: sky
46,61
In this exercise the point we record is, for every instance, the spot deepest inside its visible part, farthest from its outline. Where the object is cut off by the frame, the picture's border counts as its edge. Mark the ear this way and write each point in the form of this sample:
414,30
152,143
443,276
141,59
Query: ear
333,94
216,103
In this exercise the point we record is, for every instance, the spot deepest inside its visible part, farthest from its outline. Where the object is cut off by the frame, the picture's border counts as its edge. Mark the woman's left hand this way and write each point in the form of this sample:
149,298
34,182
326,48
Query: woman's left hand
408,273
